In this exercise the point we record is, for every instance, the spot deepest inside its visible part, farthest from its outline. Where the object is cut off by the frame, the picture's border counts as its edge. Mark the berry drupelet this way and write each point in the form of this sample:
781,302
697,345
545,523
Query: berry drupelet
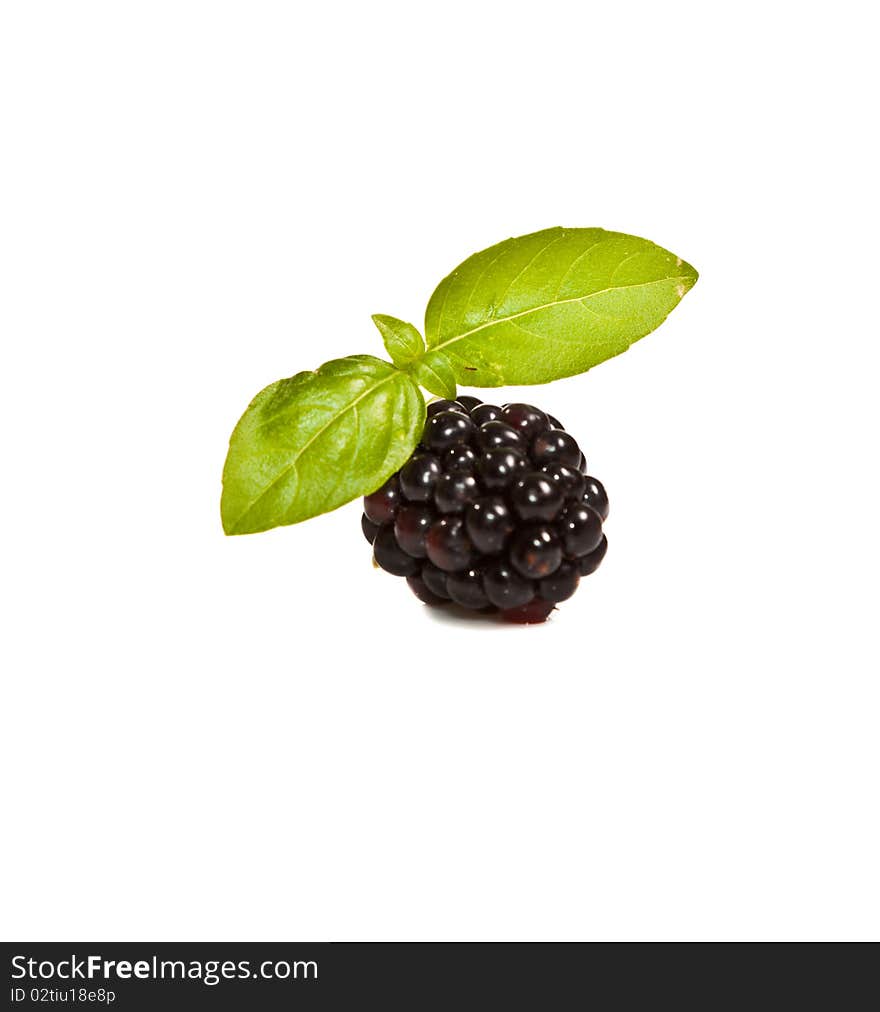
494,511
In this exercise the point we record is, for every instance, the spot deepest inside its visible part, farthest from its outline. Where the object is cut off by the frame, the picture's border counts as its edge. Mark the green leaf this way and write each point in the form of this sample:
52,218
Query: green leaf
310,443
435,374
407,349
402,340
552,304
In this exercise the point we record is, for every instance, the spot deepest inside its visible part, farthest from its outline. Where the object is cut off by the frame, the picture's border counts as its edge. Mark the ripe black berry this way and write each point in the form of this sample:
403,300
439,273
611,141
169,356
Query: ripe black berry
435,580
455,491
535,496
536,551
382,504
572,483
505,587
390,556
448,545
590,563
369,528
580,528
466,588
528,421
418,476
497,468
422,591
489,523
483,413
596,496
555,446
411,527
561,585
459,460
535,611
494,435
436,406
494,512
447,428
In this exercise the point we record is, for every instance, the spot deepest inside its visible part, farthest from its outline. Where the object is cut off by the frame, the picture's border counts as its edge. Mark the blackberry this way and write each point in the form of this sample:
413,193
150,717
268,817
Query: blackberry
447,428
422,591
369,528
561,585
435,406
572,483
556,446
537,610
411,527
595,495
535,496
390,556
435,580
455,491
525,419
498,434
448,545
489,523
381,506
505,587
536,551
459,459
580,528
466,588
418,476
494,512
483,413
497,468
590,563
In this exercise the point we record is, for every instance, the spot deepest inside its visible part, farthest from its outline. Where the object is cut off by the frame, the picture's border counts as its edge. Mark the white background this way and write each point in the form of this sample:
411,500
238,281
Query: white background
262,737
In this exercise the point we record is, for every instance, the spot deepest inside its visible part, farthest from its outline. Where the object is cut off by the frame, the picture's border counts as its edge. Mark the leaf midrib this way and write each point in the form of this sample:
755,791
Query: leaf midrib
289,467
556,302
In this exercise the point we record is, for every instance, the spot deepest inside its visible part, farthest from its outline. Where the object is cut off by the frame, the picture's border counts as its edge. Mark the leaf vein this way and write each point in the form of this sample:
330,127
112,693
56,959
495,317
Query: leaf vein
558,302
480,277
292,465
527,266
572,265
622,262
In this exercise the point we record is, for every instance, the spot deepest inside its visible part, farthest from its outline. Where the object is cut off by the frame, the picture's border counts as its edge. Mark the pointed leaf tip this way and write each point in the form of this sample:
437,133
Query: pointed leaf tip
403,342
552,304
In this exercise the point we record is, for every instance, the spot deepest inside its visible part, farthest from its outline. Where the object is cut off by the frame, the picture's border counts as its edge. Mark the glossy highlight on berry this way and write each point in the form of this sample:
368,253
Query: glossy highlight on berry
536,551
466,588
497,468
535,496
525,419
418,476
505,587
556,446
381,506
499,435
446,429
411,526
595,495
455,491
489,523
580,528
448,545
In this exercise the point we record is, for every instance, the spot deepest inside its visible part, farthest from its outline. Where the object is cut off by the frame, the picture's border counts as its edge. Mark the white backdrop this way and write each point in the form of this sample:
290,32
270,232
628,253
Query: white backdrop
262,737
